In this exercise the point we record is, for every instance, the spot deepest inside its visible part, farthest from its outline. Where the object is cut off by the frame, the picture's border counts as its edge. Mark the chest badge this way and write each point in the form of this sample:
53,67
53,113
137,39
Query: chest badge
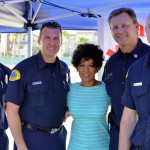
67,77
127,75
6,79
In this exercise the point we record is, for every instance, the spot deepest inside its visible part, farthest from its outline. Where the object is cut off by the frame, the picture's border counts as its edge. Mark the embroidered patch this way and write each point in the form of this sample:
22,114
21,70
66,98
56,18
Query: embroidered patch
15,75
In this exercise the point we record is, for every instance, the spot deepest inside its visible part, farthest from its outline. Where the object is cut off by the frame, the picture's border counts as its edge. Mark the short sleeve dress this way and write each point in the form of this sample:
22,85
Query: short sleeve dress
88,107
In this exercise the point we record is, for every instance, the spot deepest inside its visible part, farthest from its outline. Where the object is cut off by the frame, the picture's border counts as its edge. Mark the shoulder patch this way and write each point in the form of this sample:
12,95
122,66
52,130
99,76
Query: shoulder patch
15,75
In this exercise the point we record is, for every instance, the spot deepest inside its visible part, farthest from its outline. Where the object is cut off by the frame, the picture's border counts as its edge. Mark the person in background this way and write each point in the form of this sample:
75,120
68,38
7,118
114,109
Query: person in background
136,101
147,28
88,101
36,95
124,28
4,75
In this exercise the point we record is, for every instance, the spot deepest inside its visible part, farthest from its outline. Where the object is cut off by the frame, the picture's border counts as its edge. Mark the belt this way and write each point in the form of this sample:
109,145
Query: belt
33,127
138,148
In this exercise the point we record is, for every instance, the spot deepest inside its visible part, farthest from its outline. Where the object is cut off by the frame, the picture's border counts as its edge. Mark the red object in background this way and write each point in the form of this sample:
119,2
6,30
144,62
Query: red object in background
111,52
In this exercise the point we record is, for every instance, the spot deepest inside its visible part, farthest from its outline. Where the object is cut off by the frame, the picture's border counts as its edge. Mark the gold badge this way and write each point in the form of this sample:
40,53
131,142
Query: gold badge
67,77
6,79
15,75
127,75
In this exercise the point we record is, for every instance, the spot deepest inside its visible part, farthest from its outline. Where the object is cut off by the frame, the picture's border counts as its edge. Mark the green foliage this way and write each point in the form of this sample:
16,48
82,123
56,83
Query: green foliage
82,40
8,54
14,36
65,34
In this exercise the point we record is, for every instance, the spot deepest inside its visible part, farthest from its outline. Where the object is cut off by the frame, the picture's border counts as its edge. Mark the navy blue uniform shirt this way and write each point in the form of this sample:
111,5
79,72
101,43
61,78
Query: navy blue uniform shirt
4,75
114,76
39,91
137,97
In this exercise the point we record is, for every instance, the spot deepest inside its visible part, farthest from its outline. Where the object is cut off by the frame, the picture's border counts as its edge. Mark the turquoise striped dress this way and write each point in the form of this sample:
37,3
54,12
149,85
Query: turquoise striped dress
88,107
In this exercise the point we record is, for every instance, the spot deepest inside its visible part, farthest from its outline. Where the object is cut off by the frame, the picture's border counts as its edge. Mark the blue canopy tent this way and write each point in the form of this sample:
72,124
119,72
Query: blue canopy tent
27,15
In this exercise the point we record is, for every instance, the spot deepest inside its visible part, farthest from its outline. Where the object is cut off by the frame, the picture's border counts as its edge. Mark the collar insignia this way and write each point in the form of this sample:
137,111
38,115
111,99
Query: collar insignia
109,75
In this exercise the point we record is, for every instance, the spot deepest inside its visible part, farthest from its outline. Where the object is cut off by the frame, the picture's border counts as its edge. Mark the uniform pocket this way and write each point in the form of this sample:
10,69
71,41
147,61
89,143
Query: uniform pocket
36,95
37,89
140,96
109,85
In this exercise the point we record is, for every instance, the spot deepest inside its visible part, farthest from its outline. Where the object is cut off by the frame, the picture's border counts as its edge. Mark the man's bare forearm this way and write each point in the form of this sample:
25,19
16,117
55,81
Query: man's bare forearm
127,126
15,125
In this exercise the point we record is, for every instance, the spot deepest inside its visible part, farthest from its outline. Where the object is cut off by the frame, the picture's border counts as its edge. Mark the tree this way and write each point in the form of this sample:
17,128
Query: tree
65,34
82,40
13,37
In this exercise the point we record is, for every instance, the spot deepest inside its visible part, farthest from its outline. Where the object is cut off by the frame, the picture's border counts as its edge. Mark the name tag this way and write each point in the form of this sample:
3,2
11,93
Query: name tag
137,84
36,83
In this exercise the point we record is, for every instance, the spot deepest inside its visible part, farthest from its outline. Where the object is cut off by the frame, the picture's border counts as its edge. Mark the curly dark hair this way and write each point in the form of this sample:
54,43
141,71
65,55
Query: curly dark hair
88,51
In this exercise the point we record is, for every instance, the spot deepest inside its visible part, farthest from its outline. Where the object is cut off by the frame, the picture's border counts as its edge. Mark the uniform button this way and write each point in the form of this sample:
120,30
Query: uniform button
146,140
124,69
135,56
148,125
122,83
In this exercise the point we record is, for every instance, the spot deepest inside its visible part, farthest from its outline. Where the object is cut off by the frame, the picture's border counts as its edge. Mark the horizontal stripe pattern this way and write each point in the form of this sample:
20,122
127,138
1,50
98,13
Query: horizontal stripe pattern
88,107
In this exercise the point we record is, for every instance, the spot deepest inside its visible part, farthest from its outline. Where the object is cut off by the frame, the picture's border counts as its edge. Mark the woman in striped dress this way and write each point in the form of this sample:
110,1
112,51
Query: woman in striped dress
88,102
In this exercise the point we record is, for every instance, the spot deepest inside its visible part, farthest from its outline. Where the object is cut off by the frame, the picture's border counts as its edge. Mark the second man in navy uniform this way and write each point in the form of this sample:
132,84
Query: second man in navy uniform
136,101
4,74
124,28
36,95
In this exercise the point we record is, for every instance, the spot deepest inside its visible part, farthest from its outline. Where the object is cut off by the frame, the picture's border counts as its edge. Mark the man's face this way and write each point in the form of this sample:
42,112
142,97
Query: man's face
124,30
147,29
50,42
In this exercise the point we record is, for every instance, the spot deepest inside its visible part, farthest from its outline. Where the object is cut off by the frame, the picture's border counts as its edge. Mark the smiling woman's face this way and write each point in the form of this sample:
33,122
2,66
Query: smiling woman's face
87,72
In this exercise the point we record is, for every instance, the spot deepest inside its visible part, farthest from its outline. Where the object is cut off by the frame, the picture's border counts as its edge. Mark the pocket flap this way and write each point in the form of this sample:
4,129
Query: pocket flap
109,79
139,90
37,89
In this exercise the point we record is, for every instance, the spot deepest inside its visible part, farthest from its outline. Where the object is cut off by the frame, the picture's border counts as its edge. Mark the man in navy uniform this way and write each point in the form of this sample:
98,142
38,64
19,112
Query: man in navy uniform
124,28
36,95
136,100
4,74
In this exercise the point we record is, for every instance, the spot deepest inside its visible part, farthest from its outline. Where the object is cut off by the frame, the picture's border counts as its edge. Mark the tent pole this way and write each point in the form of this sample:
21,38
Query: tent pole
100,24
29,51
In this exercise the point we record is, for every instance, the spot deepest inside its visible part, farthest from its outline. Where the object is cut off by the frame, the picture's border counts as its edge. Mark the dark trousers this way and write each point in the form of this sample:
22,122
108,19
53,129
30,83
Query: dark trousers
4,142
114,138
36,140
